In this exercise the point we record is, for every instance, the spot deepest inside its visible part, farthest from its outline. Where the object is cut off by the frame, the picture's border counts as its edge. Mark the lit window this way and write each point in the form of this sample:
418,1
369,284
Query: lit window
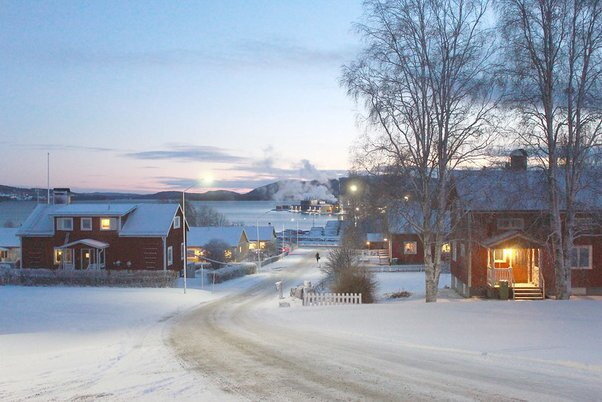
86,224
63,256
410,247
176,222
105,223
581,257
445,248
499,255
169,255
64,223
510,223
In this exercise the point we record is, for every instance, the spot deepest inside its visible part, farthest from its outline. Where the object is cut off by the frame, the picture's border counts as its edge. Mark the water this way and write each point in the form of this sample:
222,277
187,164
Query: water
243,212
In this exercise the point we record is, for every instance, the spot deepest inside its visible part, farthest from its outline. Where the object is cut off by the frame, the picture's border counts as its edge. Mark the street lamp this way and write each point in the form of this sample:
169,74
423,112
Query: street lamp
184,237
258,242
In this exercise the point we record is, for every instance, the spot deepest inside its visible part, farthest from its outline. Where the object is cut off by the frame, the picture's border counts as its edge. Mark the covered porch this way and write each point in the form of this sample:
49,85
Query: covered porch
81,254
515,259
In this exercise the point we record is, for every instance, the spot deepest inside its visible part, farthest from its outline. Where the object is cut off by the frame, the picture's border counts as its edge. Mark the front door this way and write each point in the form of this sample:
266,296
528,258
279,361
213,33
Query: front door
520,265
86,258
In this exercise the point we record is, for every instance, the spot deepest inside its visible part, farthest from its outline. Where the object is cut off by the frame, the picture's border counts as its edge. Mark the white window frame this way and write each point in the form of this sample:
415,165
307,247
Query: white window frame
60,224
510,223
590,256
462,250
112,223
81,224
65,251
415,247
177,222
169,256
498,250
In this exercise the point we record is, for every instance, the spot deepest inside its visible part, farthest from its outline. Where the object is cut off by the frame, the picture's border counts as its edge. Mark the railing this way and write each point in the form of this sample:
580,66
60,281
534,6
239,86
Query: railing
542,283
495,275
329,299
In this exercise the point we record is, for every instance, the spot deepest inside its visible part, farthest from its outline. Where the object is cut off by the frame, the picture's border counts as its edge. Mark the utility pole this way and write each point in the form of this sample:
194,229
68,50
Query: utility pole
48,177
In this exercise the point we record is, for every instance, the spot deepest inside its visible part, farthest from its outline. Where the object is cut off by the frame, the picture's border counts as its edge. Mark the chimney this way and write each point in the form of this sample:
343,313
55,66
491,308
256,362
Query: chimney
62,195
518,160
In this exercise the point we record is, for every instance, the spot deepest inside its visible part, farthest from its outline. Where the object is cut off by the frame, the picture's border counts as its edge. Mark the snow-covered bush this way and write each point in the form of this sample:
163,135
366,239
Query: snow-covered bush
231,271
346,275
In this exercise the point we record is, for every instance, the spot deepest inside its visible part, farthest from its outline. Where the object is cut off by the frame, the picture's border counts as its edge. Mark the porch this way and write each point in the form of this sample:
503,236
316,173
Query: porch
84,254
515,259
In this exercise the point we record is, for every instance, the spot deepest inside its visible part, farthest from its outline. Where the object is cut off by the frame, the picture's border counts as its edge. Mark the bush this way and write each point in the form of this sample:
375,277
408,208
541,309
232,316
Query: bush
348,276
216,250
231,272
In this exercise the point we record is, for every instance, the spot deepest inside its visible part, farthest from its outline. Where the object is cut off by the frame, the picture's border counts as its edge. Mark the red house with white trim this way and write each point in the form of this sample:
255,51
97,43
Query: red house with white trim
501,226
143,236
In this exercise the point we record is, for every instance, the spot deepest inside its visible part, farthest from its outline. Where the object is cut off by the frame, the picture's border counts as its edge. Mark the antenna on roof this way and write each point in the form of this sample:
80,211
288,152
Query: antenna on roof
48,177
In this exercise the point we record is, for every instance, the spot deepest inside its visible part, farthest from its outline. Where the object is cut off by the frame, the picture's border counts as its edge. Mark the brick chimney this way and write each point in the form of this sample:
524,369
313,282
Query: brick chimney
62,195
518,159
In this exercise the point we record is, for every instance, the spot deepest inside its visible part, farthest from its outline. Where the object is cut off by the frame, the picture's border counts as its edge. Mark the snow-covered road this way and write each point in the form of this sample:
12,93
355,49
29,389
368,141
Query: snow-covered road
252,350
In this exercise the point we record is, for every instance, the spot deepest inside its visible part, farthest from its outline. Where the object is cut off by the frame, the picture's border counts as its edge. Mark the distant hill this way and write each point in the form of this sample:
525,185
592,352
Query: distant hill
281,190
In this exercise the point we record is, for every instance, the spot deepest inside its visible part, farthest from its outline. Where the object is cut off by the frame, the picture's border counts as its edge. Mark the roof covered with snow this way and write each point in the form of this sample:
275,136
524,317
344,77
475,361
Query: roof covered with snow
8,238
511,190
94,209
149,220
406,217
199,236
266,233
144,219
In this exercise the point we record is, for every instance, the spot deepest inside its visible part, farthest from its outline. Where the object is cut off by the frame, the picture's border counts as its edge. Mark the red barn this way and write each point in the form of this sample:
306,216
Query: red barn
145,236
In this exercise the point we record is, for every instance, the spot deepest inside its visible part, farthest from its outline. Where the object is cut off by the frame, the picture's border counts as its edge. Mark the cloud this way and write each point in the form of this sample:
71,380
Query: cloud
270,53
188,153
59,147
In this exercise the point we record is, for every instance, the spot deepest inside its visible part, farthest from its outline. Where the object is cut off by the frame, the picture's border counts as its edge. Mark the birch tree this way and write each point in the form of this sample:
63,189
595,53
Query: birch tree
553,52
424,79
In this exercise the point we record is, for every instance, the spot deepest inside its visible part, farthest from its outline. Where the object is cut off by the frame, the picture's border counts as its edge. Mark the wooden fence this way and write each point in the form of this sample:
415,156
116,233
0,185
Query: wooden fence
330,299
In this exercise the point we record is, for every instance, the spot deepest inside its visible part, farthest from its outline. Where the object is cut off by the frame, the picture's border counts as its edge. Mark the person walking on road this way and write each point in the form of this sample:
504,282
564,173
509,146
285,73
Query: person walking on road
318,259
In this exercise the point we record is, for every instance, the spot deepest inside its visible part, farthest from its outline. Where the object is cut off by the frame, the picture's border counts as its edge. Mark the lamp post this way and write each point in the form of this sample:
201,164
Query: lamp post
258,242
185,251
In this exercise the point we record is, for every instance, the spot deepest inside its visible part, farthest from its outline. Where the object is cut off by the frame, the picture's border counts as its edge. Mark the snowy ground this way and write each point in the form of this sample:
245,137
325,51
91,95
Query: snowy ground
157,344
70,342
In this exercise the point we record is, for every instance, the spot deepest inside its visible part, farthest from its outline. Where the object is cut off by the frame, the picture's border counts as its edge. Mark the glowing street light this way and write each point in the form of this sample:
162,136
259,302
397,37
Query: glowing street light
353,188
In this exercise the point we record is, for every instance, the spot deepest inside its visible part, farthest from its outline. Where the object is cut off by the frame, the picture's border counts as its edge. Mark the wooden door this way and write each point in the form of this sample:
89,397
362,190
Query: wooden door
520,265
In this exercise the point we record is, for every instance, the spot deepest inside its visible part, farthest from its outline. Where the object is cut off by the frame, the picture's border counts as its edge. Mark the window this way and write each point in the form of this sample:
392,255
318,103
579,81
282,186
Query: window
63,256
510,223
499,255
64,223
462,250
410,247
108,223
182,251
169,255
176,222
581,257
445,248
86,224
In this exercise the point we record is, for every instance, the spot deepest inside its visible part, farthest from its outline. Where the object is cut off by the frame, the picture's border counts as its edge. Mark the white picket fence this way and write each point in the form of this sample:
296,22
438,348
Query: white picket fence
330,299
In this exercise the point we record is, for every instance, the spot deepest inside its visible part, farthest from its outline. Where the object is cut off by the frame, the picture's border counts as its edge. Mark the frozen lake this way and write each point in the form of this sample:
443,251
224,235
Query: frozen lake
245,212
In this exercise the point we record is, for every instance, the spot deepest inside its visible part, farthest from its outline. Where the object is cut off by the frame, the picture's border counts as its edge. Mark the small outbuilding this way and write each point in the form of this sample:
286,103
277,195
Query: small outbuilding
234,238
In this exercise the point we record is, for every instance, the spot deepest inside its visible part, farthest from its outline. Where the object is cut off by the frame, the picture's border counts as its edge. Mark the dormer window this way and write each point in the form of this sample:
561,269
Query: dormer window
510,223
176,222
64,224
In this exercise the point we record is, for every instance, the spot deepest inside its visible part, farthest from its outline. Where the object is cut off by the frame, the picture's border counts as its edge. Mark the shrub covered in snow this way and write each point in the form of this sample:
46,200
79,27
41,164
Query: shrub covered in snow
49,277
231,271
346,275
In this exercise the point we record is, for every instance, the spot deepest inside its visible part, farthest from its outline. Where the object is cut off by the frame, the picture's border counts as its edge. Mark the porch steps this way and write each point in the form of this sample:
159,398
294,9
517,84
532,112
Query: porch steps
528,293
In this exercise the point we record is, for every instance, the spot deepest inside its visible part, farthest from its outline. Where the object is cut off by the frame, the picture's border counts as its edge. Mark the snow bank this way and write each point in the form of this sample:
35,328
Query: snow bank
67,342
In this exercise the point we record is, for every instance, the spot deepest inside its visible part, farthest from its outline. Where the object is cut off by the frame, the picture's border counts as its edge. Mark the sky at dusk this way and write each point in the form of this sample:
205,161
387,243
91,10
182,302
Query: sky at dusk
155,95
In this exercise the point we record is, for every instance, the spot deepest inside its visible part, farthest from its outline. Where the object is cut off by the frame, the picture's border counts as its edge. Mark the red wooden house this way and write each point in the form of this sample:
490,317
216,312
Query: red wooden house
103,236
501,223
